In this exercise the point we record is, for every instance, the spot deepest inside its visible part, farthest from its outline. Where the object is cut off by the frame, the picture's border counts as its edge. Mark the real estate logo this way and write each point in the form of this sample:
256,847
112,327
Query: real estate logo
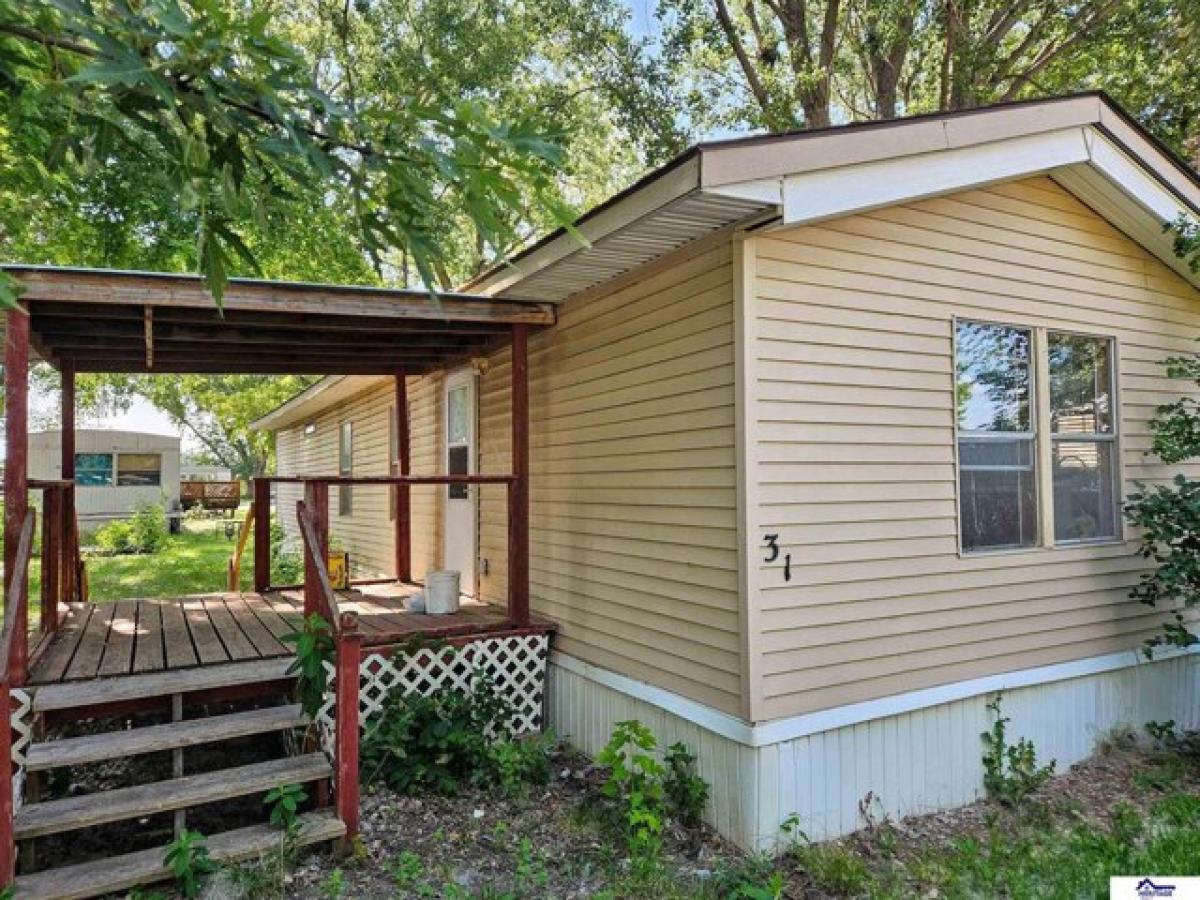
1152,887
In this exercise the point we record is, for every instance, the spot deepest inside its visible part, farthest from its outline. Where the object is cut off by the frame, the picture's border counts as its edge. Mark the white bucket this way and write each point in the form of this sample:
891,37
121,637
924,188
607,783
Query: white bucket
441,592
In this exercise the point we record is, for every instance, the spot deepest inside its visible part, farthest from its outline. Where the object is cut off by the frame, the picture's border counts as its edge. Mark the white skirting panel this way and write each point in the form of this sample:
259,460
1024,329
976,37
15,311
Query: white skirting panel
913,763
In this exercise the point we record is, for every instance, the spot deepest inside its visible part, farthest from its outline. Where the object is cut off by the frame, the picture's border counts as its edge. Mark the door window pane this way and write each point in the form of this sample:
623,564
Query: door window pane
93,469
993,380
139,469
458,462
346,468
458,416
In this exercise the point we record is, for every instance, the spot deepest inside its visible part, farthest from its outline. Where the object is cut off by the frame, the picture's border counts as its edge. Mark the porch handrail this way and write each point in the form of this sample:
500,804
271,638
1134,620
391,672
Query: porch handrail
14,635
16,610
348,652
326,598
234,582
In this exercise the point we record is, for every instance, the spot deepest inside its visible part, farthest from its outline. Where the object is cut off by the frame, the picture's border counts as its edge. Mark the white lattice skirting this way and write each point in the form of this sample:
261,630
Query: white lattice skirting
515,665
21,718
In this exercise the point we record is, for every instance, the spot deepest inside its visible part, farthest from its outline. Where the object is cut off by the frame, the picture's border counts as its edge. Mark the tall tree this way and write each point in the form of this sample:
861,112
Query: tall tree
783,64
208,99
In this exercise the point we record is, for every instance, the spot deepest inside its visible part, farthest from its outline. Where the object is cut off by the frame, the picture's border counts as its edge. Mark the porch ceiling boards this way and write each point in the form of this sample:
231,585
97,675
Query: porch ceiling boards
138,322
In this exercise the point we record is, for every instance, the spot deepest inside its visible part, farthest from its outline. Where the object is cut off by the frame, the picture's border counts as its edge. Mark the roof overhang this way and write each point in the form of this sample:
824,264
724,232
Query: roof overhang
98,320
1084,142
314,399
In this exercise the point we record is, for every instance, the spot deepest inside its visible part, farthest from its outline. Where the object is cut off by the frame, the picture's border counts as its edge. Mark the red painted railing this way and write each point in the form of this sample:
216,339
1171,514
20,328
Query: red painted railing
319,598
14,657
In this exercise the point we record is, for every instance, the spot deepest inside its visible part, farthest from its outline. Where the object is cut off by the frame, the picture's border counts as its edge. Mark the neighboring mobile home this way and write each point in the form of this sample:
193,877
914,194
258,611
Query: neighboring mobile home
115,471
827,444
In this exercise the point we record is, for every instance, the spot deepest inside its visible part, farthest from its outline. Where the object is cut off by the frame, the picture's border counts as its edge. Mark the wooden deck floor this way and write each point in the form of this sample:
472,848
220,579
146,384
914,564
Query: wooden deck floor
103,640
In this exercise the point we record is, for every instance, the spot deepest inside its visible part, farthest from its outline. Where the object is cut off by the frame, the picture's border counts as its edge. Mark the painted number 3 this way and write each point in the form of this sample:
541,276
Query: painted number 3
773,553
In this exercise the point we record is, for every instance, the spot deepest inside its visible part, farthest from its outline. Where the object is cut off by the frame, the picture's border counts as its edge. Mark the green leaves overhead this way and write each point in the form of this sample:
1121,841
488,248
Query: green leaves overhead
234,122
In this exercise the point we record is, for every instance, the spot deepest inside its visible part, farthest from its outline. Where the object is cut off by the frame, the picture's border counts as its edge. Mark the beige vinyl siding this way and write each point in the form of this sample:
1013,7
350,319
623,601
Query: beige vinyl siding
368,532
852,437
633,526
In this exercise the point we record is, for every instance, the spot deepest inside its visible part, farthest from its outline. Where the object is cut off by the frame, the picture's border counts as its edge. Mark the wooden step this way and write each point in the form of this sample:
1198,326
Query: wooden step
120,873
74,694
71,813
116,744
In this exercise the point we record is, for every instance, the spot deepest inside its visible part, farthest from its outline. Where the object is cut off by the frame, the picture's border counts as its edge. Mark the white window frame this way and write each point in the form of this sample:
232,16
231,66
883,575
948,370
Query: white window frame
1042,435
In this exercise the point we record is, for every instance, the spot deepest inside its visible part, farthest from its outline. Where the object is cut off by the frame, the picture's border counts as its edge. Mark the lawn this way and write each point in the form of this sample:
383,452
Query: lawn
193,562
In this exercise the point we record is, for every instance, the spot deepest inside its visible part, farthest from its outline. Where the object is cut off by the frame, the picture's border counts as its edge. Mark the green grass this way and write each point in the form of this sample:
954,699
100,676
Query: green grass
193,562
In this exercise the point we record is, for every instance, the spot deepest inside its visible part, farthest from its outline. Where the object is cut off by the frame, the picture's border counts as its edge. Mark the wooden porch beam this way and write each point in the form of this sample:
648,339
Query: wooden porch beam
518,493
16,448
45,311
67,473
403,532
84,333
250,366
79,286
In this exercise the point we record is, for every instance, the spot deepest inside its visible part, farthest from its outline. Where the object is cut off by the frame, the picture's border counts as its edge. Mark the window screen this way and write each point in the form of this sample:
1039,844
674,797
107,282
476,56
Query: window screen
996,452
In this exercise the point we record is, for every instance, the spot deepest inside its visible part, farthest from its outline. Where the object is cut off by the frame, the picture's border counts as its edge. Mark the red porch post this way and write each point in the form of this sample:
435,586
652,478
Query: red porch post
349,651
316,499
16,446
262,534
53,559
403,531
518,494
70,550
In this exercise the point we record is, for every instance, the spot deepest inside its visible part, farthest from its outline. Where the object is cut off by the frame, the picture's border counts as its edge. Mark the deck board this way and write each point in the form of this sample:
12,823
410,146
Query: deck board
237,645
148,651
148,636
176,637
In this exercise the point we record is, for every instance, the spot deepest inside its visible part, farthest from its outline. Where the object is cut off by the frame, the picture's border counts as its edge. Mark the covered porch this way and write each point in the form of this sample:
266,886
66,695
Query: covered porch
83,321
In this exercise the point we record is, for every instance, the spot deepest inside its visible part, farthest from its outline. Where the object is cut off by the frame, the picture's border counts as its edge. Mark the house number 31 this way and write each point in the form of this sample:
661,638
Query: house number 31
771,542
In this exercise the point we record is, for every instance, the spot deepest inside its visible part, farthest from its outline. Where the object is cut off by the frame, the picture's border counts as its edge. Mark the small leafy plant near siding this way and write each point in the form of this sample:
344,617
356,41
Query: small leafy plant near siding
314,648
1010,771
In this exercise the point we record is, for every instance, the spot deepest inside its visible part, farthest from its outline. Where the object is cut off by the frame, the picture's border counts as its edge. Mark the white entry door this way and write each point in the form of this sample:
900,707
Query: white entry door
461,533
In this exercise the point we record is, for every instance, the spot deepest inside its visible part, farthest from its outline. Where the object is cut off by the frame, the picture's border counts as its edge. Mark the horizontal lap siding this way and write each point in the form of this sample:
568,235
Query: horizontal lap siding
633,529
853,434
368,532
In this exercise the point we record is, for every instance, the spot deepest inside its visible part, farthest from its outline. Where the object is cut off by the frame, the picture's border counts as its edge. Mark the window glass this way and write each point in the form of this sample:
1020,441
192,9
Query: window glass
93,469
998,502
1083,445
345,467
992,368
458,416
139,469
1080,384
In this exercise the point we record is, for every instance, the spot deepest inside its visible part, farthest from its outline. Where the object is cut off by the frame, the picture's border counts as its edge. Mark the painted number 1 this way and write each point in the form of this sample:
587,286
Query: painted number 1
773,553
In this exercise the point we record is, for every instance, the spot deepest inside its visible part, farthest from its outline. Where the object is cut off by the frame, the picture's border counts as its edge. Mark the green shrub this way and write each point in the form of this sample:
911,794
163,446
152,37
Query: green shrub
1010,771
144,532
687,792
635,785
448,739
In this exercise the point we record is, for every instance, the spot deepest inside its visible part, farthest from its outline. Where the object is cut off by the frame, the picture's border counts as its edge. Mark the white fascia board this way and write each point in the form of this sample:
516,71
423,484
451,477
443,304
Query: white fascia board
668,187
315,399
1132,179
813,196
763,190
